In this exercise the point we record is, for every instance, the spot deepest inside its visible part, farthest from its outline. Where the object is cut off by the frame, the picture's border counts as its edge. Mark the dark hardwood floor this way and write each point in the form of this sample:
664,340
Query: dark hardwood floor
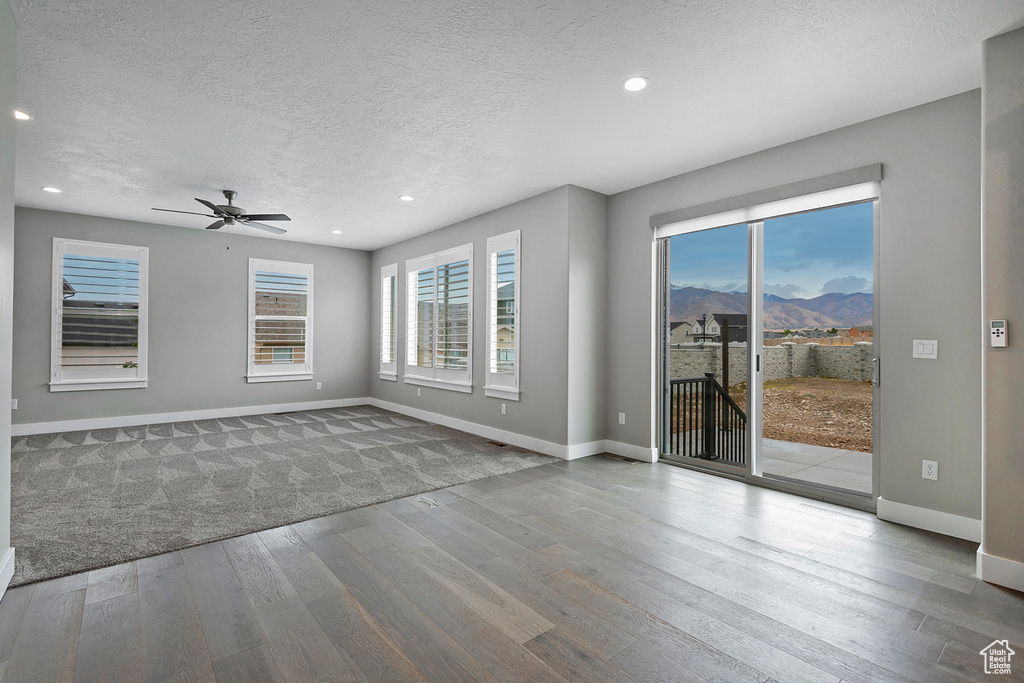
592,570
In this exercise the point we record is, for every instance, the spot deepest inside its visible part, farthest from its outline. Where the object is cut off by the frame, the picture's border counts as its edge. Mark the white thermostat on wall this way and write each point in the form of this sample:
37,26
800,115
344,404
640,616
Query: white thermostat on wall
997,333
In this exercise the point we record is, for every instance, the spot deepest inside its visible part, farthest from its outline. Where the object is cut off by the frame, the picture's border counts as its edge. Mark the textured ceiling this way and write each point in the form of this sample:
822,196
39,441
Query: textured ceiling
329,110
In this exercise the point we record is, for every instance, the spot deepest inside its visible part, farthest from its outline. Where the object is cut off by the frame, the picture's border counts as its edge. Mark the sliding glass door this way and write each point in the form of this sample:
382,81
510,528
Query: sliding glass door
768,355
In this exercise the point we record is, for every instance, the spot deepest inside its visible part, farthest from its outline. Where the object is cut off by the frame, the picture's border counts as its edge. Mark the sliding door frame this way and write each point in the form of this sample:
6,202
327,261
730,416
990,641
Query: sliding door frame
752,473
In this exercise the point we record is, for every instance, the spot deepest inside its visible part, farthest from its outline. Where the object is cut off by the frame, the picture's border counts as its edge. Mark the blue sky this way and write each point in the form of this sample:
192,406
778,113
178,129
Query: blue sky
805,255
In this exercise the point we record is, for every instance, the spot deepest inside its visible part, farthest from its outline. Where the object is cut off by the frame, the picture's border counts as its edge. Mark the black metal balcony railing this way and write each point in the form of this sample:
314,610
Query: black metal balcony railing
705,422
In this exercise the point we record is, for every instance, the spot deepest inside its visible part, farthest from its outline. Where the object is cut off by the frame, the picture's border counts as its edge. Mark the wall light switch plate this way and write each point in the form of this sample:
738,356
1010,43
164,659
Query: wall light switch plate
319,386
926,348
502,408
417,393
622,418
14,404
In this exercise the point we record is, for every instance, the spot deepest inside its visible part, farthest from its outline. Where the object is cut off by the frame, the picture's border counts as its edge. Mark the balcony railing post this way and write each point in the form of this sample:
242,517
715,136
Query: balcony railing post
709,415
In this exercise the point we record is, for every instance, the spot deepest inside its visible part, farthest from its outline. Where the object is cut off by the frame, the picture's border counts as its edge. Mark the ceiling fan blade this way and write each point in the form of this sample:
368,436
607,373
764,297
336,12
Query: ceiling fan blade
268,217
191,212
213,207
268,228
215,226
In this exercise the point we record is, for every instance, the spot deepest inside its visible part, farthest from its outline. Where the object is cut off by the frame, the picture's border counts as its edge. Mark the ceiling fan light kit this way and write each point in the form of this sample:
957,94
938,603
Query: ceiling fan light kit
229,214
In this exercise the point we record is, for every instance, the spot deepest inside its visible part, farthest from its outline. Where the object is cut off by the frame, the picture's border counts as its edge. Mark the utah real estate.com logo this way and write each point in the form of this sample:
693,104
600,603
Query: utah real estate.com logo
997,657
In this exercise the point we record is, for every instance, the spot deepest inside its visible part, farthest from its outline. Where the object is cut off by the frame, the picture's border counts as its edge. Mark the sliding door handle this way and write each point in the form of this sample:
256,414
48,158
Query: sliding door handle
874,372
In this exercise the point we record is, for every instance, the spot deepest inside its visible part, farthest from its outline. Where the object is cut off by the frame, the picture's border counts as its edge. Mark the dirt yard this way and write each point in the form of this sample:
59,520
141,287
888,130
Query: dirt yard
815,410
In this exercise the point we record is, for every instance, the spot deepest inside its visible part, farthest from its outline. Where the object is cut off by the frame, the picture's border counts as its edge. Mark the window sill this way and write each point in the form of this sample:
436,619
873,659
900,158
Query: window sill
298,377
502,392
464,387
389,376
94,385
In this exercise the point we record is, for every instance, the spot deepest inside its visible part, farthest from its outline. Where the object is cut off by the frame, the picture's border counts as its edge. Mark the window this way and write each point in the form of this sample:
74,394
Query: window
439,320
503,267
280,321
99,327
388,316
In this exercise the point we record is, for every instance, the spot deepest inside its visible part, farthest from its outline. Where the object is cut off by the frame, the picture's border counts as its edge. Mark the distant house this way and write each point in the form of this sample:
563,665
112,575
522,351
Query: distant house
679,332
712,327
862,331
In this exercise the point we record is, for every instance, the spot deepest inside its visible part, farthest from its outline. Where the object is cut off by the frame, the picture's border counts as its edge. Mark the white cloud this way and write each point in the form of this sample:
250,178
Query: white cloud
785,291
846,285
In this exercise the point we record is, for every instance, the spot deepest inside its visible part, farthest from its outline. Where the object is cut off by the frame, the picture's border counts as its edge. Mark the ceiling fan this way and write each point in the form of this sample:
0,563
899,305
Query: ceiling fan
229,214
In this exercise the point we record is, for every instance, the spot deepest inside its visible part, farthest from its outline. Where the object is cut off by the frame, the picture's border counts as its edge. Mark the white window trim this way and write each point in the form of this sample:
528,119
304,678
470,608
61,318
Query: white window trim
501,385
256,373
57,381
389,371
439,378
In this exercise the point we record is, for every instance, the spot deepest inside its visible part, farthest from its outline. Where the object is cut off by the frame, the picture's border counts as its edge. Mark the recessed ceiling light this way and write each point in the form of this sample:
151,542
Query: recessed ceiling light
21,116
336,232
635,83
51,189
406,198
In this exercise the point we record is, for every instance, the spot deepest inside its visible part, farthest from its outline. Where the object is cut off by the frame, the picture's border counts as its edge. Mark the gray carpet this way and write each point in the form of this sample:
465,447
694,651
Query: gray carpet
88,499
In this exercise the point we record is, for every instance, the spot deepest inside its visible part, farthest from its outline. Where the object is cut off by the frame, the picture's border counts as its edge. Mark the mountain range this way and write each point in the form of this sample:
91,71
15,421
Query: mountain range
825,311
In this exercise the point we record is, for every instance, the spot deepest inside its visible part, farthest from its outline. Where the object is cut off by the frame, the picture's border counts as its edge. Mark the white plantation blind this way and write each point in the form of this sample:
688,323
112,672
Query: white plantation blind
388,318
503,268
100,308
280,321
439,318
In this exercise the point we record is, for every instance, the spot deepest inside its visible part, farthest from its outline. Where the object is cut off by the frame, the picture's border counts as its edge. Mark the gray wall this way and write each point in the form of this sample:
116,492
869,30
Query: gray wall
930,250
1003,272
541,411
8,54
588,260
197,321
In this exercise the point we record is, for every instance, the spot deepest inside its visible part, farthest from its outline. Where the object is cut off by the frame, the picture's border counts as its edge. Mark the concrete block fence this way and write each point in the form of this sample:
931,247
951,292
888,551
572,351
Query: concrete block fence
779,362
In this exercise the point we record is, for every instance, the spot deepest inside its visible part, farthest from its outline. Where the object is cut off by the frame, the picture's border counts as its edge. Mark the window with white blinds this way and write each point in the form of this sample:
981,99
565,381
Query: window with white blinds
280,321
439,319
388,320
503,268
99,325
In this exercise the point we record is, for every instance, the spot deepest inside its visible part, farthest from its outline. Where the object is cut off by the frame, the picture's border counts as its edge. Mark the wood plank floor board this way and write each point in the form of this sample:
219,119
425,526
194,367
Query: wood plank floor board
111,582
310,576
12,612
110,641
489,643
593,569
373,655
302,651
47,642
249,666
257,570
574,661
228,620
597,634
158,562
714,633
514,532
284,542
173,644
435,654
491,541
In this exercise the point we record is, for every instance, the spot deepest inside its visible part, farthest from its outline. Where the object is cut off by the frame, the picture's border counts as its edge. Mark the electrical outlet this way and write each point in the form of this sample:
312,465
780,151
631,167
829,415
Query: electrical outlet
622,418
14,404
319,386
930,470
502,408
418,393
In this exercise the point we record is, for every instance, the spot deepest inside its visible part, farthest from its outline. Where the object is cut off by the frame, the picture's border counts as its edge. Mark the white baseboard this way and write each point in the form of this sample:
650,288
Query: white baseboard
6,571
521,440
582,450
1001,571
628,450
158,418
930,520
